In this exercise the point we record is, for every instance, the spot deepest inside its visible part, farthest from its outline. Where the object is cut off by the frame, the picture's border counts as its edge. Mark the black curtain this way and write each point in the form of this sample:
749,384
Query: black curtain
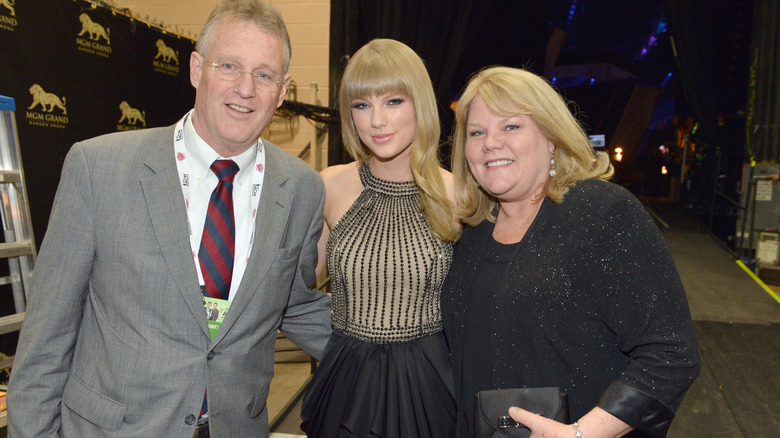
104,72
438,30
694,38
763,112
710,41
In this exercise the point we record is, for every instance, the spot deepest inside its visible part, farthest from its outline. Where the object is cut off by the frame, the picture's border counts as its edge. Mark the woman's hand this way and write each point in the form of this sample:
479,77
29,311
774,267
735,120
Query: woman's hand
597,423
541,427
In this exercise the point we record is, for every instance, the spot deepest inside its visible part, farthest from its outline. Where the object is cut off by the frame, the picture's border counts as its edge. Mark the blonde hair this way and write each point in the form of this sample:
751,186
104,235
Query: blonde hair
387,66
509,92
264,16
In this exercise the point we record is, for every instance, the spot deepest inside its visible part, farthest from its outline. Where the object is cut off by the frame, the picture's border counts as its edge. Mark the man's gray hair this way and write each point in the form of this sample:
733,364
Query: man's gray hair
261,14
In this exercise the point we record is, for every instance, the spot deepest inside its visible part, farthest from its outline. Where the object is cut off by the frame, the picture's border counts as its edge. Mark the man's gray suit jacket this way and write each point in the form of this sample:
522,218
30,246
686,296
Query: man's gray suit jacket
115,342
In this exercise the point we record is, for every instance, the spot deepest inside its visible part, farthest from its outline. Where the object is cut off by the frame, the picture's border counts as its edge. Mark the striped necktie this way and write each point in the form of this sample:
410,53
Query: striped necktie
217,246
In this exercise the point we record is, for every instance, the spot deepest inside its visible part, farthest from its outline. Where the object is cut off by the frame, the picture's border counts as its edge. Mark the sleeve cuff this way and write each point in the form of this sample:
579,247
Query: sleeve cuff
644,412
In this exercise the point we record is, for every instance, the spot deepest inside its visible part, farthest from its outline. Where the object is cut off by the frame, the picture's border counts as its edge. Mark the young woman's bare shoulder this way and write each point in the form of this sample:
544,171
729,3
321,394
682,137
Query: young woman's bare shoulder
340,175
338,171
342,188
342,182
449,183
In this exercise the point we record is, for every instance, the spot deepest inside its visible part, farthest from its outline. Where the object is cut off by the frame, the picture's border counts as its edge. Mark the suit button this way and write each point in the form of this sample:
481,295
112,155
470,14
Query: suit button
190,419
211,355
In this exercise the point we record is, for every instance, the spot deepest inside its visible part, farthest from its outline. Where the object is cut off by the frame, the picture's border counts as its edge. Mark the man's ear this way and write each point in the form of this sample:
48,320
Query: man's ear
196,68
283,89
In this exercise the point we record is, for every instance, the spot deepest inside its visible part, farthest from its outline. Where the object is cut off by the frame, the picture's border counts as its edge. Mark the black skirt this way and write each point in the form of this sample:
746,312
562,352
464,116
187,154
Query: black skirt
381,390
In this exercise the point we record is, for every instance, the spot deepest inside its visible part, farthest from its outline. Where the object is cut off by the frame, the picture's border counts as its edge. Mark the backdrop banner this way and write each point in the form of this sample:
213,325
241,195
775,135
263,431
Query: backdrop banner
77,70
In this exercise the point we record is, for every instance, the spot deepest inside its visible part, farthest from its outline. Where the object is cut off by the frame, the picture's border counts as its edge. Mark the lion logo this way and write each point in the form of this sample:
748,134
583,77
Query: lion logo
9,4
94,30
43,99
166,52
131,114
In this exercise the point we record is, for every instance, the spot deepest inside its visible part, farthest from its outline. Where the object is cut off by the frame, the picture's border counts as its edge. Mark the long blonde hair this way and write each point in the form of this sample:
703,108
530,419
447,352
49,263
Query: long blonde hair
387,66
508,92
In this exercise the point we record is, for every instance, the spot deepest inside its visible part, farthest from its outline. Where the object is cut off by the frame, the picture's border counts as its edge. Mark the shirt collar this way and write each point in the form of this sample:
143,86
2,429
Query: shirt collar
202,155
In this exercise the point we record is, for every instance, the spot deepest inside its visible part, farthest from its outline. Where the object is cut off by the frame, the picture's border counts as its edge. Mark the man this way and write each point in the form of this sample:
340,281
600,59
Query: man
208,311
214,313
139,218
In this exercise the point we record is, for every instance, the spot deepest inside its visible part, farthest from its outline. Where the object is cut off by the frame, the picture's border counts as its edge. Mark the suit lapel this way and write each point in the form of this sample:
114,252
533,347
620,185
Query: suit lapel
169,219
273,211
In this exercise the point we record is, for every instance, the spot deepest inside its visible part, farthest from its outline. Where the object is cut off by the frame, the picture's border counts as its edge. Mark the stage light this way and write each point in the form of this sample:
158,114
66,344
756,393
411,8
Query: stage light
572,11
663,170
666,80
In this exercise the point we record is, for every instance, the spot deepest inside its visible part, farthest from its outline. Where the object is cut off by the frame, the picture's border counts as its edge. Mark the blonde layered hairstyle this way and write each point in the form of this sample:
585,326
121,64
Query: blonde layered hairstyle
387,66
509,92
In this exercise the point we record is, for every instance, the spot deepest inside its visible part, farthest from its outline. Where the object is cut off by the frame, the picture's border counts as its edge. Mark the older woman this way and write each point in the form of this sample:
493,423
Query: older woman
560,278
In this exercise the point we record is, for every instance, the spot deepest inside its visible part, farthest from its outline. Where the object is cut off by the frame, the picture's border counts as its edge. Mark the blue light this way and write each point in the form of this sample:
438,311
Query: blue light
572,10
592,80
666,81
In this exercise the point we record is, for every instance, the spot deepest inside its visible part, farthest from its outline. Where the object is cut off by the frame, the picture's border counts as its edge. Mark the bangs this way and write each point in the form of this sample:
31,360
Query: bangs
501,100
375,76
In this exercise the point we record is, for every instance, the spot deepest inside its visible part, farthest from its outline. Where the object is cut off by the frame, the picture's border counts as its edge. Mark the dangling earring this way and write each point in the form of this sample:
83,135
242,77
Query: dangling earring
552,166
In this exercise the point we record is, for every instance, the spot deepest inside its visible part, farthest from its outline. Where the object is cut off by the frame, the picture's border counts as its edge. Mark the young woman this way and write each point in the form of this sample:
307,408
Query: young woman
387,245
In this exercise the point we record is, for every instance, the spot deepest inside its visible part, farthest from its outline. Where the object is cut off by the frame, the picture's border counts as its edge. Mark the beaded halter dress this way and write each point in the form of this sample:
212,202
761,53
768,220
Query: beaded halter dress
386,266
386,370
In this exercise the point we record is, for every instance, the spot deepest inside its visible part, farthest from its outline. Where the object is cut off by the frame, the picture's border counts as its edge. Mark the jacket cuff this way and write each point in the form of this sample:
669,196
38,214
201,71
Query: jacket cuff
644,412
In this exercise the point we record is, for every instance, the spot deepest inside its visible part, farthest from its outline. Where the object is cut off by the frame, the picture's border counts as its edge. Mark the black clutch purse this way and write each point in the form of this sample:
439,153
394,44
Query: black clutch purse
491,419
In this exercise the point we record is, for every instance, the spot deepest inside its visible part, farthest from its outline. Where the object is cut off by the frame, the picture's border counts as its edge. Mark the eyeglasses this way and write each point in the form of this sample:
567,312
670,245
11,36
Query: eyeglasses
231,72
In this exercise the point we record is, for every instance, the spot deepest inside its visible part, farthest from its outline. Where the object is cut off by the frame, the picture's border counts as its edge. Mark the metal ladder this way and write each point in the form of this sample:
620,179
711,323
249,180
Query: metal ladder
18,247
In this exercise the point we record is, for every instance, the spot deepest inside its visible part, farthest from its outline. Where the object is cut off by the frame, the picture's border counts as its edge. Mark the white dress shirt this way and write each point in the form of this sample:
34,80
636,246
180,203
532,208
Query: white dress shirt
203,182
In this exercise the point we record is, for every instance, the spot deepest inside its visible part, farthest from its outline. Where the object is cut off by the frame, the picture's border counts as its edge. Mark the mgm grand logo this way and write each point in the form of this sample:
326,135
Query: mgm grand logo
167,60
51,106
131,118
93,37
8,15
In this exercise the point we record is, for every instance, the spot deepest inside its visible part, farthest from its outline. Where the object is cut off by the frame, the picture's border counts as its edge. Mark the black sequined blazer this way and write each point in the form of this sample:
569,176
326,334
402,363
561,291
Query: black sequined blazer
591,302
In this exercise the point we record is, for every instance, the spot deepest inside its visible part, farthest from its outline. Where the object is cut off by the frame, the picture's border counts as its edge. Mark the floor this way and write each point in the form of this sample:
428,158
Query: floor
292,372
737,322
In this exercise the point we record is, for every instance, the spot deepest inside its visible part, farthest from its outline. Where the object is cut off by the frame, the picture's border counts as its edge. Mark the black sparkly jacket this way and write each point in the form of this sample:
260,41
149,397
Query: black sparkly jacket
591,302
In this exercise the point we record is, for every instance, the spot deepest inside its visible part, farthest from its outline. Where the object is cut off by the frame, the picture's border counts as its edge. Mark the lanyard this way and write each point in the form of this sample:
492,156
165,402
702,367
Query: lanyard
184,168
